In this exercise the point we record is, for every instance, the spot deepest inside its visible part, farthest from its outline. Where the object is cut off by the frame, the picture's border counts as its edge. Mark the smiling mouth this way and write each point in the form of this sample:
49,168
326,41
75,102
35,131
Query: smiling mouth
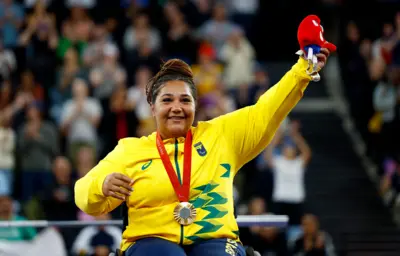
176,118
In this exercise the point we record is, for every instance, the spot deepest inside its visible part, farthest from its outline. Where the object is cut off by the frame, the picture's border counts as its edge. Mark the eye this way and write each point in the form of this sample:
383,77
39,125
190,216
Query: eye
186,100
166,100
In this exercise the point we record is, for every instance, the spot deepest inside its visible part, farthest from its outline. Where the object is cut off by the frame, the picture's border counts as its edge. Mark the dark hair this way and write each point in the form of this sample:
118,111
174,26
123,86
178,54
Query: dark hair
172,70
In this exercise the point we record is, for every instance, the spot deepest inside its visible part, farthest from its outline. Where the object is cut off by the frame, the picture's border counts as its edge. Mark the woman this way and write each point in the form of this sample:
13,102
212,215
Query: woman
177,182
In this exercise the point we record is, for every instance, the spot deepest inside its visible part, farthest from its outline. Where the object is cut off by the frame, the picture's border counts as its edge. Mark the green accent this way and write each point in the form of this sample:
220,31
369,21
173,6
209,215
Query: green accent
228,170
207,227
212,202
202,199
207,188
196,238
178,172
216,199
236,232
182,236
199,202
214,212
146,165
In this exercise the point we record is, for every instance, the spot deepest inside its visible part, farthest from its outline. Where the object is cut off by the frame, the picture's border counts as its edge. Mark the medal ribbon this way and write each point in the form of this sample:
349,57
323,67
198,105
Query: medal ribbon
182,191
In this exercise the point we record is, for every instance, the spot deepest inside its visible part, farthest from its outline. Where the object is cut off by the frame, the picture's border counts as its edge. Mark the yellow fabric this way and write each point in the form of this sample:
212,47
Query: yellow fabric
375,123
220,147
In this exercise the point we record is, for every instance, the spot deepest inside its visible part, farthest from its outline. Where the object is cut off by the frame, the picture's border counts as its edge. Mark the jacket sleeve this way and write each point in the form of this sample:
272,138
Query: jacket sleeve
249,130
89,195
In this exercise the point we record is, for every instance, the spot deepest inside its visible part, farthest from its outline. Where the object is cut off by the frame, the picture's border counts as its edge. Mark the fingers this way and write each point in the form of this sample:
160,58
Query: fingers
124,178
115,195
325,51
123,184
118,186
321,57
323,54
120,190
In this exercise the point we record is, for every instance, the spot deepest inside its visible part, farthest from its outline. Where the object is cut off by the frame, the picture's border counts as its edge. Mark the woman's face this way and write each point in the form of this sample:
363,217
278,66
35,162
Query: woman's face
143,76
289,151
174,109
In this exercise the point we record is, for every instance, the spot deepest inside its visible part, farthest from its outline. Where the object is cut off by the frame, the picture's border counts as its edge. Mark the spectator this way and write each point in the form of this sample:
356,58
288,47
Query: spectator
28,92
313,242
386,98
207,73
107,74
97,241
85,160
288,171
11,17
41,39
355,73
99,43
178,41
65,76
141,30
218,29
7,214
30,89
238,56
143,55
120,121
80,118
137,98
266,240
382,47
58,197
75,33
37,145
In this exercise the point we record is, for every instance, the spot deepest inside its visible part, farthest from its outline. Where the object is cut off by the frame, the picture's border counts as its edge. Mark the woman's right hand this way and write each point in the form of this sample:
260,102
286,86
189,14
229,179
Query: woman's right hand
117,185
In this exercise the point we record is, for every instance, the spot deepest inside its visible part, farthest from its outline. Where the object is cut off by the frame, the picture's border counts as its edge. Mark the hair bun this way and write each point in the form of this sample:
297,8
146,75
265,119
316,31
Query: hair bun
173,69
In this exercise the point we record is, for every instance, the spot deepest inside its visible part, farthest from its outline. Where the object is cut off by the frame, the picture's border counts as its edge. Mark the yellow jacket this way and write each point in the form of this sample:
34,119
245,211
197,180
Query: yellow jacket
220,148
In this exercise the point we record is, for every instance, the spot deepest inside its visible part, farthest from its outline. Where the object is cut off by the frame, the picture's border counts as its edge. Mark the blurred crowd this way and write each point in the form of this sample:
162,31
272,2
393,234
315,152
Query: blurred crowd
371,73
73,76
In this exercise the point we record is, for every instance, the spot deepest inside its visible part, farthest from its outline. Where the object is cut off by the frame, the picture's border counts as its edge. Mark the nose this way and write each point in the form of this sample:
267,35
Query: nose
176,107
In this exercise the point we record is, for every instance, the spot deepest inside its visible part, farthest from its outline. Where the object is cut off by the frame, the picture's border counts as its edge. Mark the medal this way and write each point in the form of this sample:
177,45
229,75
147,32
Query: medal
184,213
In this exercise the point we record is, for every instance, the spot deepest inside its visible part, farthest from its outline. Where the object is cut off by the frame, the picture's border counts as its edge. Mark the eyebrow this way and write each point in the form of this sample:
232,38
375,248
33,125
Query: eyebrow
170,94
